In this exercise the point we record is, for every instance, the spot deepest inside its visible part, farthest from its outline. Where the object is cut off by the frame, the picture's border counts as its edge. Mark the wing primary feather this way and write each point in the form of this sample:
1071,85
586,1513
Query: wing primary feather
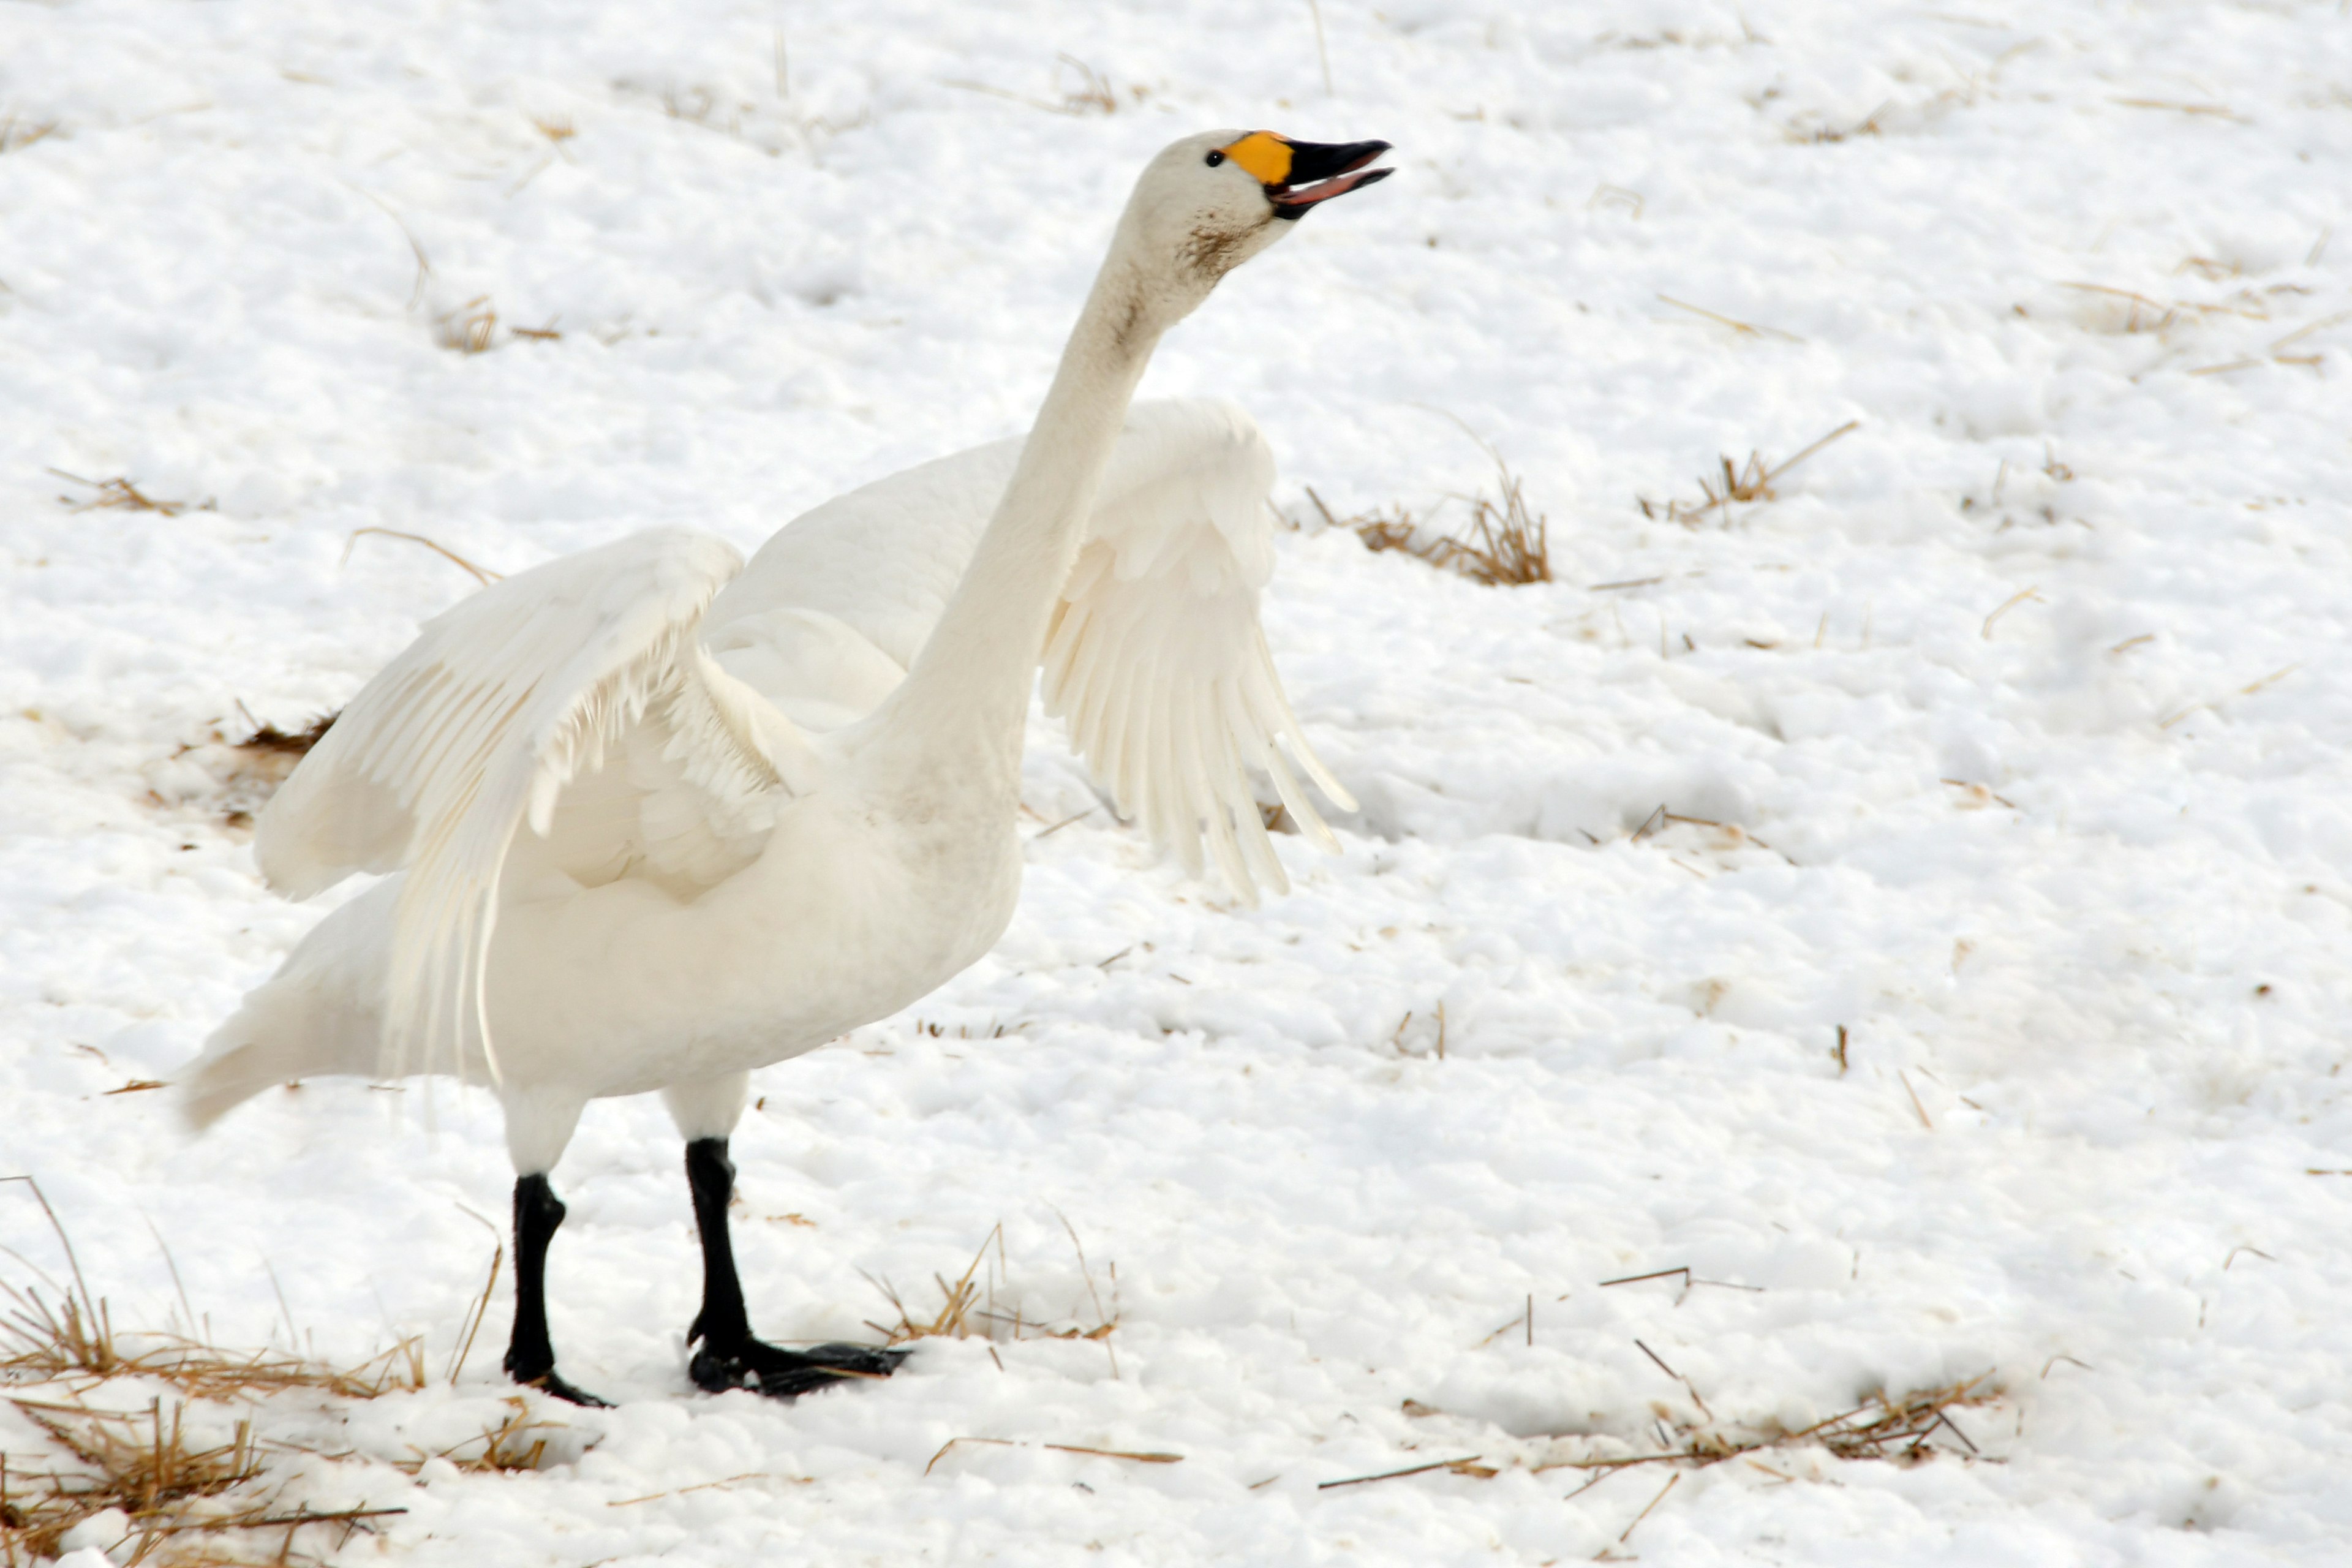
1225,812
1234,807
1258,845
1249,820
1333,791
1267,711
1295,800
1113,658
1125,723
1198,796
1258,753
1166,791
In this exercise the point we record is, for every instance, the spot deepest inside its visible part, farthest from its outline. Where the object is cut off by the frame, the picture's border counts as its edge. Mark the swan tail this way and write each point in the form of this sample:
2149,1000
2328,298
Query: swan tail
318,1014
246,1057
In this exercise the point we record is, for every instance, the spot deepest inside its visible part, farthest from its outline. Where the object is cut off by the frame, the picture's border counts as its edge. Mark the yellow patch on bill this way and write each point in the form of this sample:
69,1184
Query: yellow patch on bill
1266,155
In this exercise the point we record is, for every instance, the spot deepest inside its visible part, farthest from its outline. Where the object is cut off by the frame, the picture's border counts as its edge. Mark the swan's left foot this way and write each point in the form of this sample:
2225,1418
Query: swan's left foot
781,1374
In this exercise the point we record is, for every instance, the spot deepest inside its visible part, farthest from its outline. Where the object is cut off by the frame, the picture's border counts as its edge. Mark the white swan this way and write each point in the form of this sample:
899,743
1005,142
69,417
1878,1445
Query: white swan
763,817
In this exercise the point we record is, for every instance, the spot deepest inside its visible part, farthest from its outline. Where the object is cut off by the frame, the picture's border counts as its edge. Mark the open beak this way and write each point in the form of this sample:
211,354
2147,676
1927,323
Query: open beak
1321,170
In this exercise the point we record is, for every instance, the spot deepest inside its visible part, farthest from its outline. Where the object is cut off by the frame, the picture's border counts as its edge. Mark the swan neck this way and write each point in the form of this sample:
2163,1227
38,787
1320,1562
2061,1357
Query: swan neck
970,685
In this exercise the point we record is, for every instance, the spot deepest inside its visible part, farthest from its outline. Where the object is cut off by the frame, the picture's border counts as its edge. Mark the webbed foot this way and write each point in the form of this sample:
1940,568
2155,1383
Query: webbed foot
549,1383
781,1374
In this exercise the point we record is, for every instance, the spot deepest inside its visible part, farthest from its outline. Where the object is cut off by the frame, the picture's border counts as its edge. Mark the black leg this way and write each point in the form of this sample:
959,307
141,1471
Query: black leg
530,1359
729,1356
711,1177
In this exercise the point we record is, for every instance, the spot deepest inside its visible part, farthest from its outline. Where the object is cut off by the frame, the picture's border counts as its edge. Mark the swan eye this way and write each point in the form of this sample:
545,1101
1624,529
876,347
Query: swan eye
1216,157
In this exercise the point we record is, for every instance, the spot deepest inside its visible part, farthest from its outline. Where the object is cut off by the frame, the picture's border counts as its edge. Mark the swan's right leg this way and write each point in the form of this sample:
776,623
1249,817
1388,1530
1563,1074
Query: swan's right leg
539,1124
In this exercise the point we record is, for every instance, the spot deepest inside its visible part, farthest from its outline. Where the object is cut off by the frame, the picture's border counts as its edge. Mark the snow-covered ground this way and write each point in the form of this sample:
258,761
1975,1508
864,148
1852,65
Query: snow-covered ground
2024,709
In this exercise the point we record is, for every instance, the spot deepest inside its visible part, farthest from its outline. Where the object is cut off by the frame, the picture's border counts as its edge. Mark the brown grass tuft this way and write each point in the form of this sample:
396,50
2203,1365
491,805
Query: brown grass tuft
65,1341
1895,1429
954,1320
1505,542
1866,126
1745,482
72,1340
123,493
17,134
472,328
138,1463
506,1449
1091,95
969,1305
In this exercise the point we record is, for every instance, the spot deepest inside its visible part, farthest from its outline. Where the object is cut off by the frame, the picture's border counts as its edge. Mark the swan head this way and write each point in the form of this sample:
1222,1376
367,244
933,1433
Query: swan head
1209,201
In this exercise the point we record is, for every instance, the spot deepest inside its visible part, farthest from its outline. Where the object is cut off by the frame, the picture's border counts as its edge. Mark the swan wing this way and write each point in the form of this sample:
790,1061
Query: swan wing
879,562
1156,657
481,723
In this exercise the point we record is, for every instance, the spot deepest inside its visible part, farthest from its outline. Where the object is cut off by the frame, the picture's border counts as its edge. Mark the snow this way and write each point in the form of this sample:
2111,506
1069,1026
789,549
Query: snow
2025,699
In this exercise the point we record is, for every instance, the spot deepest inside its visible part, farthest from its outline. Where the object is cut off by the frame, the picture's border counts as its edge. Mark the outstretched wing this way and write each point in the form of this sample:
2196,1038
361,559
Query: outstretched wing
478,726
1156,659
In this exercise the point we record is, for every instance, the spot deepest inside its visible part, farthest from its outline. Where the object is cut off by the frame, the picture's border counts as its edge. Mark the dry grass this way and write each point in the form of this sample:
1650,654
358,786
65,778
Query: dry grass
17,134
1503,543
1091,92
514,1444
145,1463
73,1342
953,1319
482,574
1867,125
1081,89
1131,1454
472,328
2214,111
2125,312
1895,1429
124,494
969,1305
68,1336
1740,327
145,1466
1743,483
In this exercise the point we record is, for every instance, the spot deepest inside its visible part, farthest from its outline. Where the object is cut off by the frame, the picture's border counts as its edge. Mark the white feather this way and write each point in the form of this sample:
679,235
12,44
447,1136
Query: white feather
1157,625
479,726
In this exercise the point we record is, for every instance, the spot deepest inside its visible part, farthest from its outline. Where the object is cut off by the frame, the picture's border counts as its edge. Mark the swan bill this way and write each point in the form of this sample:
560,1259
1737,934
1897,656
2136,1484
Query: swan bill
1298,175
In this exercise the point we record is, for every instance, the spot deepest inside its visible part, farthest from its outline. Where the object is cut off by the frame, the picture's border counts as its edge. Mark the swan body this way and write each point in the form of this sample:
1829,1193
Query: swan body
648,819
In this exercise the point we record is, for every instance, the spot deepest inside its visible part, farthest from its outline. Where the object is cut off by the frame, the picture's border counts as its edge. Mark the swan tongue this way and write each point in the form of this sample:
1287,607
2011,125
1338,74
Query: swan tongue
1295,202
